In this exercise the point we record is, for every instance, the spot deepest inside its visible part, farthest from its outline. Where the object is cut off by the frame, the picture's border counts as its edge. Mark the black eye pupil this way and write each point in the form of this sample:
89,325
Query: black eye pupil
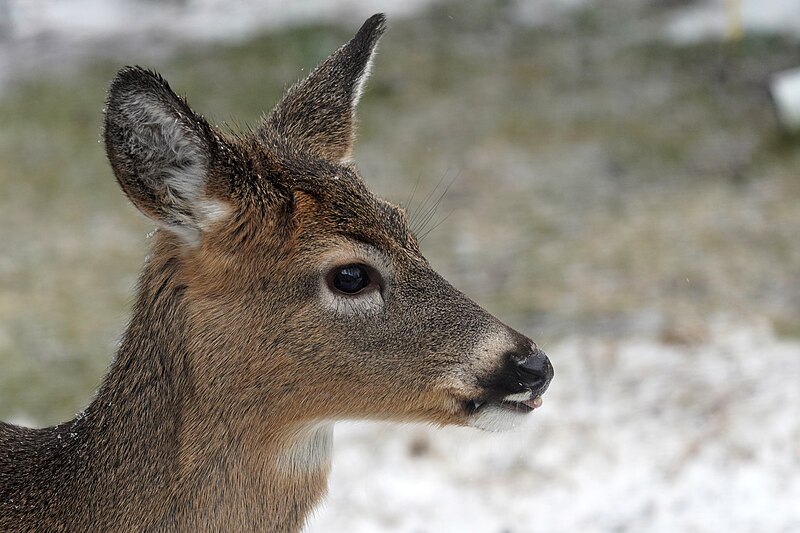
351,279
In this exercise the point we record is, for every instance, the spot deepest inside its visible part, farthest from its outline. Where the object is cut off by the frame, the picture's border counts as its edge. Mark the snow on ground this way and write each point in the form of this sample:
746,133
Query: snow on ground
634,435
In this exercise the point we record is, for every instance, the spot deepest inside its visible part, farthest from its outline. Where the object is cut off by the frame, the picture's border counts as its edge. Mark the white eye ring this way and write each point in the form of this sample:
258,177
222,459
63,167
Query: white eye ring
369,304
367,300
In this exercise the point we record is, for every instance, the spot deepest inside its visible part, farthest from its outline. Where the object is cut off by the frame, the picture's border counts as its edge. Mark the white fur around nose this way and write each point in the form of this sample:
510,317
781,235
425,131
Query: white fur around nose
489,351
519,397
489,354
496,418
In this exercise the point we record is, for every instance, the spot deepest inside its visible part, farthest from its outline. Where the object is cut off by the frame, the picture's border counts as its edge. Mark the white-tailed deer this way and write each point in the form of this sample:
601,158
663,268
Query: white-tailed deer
281,295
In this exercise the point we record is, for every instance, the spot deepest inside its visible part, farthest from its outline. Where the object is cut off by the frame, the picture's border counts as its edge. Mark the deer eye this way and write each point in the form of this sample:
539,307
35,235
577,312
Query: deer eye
349,279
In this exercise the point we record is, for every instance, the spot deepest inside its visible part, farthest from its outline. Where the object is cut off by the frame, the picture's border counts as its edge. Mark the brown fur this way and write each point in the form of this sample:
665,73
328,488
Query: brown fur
215,414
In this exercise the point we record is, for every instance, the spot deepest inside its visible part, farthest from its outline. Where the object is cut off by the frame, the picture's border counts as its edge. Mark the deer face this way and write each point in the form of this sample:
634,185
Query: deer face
305,290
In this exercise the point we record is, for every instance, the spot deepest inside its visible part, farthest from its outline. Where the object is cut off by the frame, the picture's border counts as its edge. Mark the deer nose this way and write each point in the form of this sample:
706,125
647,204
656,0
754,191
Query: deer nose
534,369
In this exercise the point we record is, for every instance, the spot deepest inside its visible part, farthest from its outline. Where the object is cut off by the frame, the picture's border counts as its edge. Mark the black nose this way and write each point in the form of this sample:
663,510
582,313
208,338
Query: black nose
535,370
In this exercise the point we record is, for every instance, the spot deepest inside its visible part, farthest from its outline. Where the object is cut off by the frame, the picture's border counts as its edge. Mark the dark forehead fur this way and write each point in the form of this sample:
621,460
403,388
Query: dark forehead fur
275,167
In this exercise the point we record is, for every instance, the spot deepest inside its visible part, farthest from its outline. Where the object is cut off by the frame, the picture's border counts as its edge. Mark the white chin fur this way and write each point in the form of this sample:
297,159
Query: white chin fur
519,397
495,418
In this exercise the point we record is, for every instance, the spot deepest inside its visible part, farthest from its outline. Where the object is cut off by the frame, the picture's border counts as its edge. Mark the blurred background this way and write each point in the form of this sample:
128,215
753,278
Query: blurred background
619,188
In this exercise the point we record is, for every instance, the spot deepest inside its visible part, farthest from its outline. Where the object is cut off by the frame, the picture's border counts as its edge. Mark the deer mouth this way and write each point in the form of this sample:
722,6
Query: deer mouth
504,413
513,403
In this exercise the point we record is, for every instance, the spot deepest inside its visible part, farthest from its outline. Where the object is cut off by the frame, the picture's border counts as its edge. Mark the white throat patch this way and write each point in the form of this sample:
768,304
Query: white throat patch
310,450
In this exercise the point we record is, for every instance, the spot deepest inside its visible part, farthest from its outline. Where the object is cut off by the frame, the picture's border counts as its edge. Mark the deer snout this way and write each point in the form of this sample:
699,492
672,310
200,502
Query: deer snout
514,388
534,369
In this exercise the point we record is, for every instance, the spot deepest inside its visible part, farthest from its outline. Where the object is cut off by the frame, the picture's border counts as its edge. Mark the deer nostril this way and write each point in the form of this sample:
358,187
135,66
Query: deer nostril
536,371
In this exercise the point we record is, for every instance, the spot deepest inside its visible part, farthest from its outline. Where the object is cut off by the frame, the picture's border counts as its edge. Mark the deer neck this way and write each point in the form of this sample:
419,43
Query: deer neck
166,453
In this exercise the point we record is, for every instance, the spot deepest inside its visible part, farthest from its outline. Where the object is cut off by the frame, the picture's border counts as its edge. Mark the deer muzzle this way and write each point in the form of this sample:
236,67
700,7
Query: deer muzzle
535,372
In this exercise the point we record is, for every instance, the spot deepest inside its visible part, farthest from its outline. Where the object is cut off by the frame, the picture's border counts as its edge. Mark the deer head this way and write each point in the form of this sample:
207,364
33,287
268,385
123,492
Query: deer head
307,297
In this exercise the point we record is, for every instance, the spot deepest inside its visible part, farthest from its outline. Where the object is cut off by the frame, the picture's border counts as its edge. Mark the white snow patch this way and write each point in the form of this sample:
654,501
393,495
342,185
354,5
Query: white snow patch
634,435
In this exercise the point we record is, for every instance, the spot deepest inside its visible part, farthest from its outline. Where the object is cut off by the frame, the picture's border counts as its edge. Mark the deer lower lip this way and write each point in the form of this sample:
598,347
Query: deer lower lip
524,406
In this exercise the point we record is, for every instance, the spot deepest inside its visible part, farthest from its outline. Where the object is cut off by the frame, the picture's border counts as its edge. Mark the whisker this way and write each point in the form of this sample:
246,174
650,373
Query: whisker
407,206
429,214
423,210
436,225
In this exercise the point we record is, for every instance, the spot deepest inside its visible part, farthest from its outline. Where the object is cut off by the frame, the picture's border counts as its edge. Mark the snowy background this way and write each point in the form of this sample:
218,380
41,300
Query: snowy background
622,194
634,436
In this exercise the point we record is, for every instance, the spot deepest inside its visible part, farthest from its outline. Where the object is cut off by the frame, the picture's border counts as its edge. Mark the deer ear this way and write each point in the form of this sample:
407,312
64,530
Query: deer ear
319,112
160,151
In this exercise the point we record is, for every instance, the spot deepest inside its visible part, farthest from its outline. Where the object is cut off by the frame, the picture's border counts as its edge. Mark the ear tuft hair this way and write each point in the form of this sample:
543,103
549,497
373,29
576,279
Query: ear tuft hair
159,149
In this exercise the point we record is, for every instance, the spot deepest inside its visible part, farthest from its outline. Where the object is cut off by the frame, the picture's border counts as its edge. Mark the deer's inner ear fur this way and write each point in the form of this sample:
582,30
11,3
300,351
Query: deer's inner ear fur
318,113
161,151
